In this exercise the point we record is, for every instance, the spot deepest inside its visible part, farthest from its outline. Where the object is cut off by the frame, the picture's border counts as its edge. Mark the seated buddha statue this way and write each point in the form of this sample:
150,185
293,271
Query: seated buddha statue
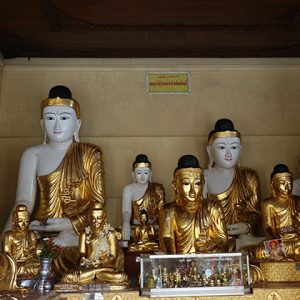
142,194
191,223
144,236
60,179
281,215
235,188
20,244
102,260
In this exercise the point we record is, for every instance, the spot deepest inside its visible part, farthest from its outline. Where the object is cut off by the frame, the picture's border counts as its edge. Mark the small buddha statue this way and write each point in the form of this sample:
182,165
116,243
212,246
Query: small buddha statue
144,237
102,260
60,179
281,216
141,195
235,188
20,244
191,224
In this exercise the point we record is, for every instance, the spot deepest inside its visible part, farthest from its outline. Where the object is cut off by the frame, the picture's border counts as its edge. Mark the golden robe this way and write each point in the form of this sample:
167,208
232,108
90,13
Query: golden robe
23,249
281,218
103,259
152,201
240,202
70,190
193,232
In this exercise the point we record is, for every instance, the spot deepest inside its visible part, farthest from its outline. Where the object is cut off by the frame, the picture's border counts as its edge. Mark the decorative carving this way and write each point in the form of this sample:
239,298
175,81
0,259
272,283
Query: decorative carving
60,20
14,44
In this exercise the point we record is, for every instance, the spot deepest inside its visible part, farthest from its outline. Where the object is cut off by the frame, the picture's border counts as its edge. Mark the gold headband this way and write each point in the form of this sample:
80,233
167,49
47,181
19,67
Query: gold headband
21,210
283,174
22,213
178,171
220,134
141,165
61,102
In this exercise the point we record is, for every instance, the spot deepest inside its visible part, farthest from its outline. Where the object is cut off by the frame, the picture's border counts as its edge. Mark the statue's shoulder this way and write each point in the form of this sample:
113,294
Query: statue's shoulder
88,147
249,175
268,201
248,172
211,204
170,206
33,151
7,233
158,187
128,188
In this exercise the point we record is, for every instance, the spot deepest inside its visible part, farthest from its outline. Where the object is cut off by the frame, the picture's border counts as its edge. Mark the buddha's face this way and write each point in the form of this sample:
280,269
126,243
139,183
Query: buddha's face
22,221
144,218
189,184
142,175
273,245
60,123
283,184
97,218
225,151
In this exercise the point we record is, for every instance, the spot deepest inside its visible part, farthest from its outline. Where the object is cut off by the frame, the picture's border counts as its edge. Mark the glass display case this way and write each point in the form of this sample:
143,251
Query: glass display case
194,274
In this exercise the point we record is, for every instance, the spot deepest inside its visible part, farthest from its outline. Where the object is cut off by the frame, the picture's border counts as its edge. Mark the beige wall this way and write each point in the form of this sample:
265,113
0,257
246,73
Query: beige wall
261,96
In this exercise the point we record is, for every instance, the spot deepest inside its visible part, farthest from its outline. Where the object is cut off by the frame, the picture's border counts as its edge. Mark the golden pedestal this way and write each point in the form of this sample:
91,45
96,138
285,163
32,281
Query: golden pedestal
274,291
280,271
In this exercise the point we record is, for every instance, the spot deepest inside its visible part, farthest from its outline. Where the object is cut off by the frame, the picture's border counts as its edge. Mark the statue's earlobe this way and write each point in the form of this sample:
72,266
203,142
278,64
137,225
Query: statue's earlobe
76,132
133,177
150,176
45,136
210,158
273,188
174,186
78,124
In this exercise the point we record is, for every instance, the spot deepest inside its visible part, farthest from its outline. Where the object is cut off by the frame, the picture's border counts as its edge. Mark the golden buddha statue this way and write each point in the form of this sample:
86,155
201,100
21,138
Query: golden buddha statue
191,224
60,179
144,236
102,260
235,188
20,244
281,215
141,195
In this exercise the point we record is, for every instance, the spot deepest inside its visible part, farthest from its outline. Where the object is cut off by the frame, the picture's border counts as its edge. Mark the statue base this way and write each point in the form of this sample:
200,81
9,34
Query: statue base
268,291
88,288
286,271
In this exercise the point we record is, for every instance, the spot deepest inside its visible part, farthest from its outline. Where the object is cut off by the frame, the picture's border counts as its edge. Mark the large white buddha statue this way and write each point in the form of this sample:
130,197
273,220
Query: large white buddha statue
235,188
140,195
60,179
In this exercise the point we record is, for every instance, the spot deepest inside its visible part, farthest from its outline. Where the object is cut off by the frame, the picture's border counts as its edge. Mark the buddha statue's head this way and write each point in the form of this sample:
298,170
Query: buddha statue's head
143,216
141,169
20,218
224,145
188,183
281,181
60,116
97,216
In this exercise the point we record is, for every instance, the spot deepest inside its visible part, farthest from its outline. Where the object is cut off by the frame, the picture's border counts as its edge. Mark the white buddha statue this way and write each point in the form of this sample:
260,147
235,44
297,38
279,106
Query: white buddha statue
61,178
142,194
235,188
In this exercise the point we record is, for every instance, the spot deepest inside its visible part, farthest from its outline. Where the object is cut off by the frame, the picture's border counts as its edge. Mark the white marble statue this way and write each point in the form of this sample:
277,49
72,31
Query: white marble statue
235,188
139,195
59,179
